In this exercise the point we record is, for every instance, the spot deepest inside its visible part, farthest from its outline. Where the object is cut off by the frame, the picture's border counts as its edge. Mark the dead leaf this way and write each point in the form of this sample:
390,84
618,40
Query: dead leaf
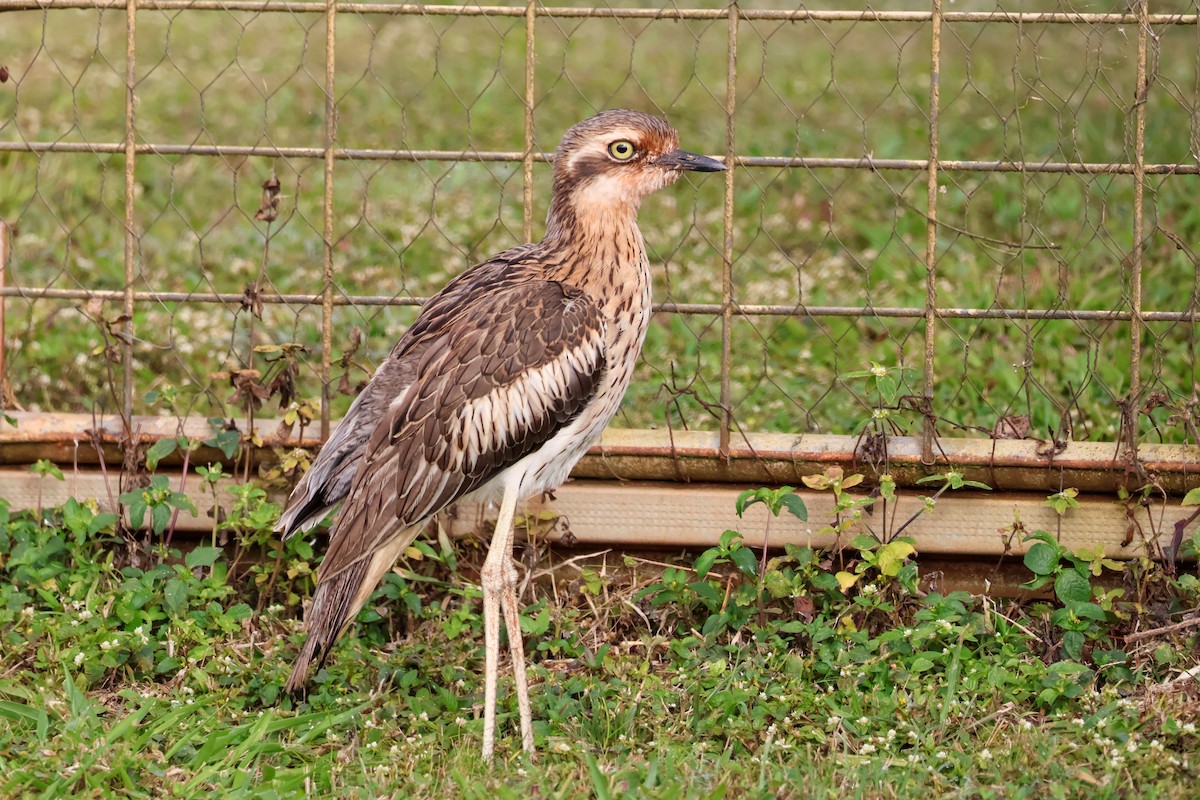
1014,426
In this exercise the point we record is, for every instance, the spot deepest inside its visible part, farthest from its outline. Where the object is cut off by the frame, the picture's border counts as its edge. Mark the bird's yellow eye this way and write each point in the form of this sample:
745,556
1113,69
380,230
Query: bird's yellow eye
622,150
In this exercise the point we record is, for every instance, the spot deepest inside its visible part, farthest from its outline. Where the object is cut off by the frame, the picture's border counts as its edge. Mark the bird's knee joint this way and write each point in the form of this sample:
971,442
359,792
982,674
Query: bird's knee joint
498,577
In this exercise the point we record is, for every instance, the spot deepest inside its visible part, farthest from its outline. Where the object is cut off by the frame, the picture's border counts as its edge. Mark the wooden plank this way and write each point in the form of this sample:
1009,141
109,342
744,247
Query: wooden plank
963,523
770,459
667,516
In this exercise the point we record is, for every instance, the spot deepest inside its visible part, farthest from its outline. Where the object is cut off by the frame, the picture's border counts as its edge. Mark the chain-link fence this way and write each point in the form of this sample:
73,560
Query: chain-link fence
968,219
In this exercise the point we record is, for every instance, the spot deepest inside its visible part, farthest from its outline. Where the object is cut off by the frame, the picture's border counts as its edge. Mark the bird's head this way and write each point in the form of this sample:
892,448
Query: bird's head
614,159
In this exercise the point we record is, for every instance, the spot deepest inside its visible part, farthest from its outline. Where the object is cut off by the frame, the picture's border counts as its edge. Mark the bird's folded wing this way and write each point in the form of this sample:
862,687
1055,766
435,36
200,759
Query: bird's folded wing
491,387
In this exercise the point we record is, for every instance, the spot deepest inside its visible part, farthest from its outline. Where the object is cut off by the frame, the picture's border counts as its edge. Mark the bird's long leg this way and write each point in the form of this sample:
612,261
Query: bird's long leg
493,579
512,622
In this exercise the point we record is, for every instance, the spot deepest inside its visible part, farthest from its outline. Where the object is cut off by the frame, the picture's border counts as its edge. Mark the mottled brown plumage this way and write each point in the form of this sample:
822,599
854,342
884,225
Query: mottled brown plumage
505,379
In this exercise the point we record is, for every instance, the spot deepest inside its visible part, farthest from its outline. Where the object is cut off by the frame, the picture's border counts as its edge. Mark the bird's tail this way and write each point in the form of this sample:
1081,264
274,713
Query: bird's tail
336,602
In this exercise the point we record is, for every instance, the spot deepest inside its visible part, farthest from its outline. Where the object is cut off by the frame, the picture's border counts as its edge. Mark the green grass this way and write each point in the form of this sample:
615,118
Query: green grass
820,237
130,669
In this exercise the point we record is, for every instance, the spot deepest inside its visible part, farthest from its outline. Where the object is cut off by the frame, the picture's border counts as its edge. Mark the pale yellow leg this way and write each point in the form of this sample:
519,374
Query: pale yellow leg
512,621
494,578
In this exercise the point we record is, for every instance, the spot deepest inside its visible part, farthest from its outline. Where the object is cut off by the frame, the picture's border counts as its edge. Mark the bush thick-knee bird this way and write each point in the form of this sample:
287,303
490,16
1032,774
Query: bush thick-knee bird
507,377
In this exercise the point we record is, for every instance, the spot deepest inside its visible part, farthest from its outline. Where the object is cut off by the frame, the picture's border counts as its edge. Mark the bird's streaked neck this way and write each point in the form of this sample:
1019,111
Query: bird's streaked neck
603,207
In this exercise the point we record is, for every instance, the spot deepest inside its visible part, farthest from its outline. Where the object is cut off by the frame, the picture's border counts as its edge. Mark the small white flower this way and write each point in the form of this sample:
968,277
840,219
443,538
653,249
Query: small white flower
27,612
562,747
940,755
985,754
1188,727
878,370
460,721
78,658
85,614
424,717
866,749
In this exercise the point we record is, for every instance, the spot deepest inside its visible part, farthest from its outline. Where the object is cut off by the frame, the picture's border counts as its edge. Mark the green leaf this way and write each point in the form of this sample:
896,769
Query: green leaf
175,595
226,441
1072,644
76,517
747,499
1071,587
239,612
137,510
44,467
708,594
888,387
1037,583
160,450
864,541
706,560
744,558
101,522
202,557
795,506
727,540
1192,498
1041,559
160,515
887,487
1089,611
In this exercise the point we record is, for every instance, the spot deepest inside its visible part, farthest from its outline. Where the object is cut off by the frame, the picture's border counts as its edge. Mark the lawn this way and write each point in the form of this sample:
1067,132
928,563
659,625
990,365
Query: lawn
814,236
133,669
134,665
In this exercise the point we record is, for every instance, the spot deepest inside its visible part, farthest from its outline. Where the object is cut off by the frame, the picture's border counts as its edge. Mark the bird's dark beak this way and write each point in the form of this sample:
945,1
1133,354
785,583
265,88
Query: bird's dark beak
682,159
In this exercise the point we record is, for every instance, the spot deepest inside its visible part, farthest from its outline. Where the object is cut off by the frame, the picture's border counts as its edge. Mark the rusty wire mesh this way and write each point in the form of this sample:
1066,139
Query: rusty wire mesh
995,203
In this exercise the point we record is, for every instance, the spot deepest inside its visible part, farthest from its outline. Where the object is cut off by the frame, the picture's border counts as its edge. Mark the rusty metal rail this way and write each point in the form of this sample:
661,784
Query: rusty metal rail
682,456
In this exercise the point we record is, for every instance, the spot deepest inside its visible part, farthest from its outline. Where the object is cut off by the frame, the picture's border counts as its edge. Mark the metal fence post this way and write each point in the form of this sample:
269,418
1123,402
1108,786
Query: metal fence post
131,238
727,243
327,234
931,233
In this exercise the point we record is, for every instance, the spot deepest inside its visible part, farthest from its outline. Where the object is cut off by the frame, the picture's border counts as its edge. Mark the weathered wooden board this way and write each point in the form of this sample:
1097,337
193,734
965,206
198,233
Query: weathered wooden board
666,515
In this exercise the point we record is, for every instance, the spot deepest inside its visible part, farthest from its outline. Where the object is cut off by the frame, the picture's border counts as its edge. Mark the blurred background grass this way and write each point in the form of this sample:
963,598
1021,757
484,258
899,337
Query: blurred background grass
842,237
